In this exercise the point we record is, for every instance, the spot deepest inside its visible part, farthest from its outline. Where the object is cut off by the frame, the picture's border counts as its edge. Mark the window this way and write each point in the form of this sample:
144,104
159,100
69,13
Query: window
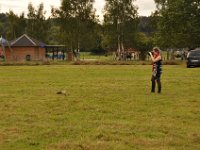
28,57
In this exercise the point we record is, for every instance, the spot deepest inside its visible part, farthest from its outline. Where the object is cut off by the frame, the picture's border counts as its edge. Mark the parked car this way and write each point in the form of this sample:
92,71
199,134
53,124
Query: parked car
193,58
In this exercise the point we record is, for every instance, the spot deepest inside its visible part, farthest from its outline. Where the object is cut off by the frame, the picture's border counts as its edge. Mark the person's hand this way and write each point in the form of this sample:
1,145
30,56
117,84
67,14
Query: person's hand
150,53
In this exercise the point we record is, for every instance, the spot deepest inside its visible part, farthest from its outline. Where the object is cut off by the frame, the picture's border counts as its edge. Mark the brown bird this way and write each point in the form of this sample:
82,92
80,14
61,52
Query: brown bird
62,92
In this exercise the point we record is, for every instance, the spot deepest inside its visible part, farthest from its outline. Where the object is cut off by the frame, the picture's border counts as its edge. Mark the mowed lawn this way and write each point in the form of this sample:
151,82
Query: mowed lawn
107,107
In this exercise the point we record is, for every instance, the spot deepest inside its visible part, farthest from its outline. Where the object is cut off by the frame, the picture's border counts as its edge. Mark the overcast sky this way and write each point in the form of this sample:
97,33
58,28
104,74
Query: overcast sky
19,6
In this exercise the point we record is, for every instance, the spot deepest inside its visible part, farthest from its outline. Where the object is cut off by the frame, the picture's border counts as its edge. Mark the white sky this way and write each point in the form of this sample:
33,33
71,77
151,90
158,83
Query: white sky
19,6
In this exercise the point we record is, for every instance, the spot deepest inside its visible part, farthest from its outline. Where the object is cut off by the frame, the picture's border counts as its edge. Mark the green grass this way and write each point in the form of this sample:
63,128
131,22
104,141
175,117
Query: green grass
90,56
107,107
111,56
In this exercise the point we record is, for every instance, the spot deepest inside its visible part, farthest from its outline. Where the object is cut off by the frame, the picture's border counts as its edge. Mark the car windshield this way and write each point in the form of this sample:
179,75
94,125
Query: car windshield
195,53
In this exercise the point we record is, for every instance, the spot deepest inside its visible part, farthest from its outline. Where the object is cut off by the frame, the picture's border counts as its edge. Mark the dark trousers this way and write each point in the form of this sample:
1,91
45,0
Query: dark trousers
155,79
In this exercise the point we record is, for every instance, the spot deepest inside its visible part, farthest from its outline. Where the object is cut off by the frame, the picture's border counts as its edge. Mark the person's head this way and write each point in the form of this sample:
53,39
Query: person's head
156,50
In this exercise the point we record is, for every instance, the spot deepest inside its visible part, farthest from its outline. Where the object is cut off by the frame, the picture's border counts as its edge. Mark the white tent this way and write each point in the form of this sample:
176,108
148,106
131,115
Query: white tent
3,41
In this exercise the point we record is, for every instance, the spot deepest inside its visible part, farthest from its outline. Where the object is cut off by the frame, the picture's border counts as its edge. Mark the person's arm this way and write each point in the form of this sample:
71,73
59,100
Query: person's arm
155,59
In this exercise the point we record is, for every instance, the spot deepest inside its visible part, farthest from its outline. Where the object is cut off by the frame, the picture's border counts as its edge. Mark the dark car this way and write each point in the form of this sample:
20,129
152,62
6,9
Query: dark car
193,58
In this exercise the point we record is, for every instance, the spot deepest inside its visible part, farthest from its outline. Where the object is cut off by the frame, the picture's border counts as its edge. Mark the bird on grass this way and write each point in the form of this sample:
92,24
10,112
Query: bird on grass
62,92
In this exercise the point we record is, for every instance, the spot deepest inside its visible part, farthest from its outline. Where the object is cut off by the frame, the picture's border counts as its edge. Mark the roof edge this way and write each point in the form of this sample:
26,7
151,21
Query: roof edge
21,38
30,39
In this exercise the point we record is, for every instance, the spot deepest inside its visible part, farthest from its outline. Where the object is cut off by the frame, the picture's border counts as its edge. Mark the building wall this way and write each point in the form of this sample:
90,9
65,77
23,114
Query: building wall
20,53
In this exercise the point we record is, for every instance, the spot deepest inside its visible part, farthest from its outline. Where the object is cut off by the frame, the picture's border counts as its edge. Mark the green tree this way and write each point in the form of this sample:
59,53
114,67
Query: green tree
77,21
37,25
21,25
179,23
143,43
17,25
12,24
4,24
120,23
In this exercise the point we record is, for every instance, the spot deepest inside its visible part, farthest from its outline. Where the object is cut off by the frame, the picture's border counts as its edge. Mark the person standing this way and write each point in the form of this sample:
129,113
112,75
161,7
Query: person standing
156,59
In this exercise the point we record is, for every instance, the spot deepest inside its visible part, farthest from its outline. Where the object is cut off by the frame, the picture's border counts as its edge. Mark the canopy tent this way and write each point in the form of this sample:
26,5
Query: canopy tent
3,41
55,51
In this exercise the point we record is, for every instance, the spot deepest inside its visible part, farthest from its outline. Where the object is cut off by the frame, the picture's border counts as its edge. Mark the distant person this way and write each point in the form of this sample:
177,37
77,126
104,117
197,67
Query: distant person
78,54
156,58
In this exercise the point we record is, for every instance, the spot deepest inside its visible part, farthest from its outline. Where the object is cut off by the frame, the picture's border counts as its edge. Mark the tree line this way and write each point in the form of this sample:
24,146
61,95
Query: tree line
175,24
178,23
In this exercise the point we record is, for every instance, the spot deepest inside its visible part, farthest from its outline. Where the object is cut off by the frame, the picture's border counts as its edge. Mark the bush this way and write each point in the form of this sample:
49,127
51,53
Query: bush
172,62
99,51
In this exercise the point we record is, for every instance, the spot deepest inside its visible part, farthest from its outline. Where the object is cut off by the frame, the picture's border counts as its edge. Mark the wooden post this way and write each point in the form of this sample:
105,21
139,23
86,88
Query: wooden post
63,54
53,53
57,53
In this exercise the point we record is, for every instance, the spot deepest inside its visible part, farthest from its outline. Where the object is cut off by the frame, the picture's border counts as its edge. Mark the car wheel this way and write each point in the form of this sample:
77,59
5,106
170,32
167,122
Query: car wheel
188,66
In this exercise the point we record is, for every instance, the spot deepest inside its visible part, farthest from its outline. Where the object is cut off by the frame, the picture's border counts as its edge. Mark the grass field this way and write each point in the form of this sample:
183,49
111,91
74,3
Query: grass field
106,108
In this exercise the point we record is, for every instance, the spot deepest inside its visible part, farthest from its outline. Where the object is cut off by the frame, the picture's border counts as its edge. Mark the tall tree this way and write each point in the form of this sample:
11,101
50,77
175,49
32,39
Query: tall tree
179,23
77,20
120,21
31,20
21,24
13,24
4,24
17,25
37,25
